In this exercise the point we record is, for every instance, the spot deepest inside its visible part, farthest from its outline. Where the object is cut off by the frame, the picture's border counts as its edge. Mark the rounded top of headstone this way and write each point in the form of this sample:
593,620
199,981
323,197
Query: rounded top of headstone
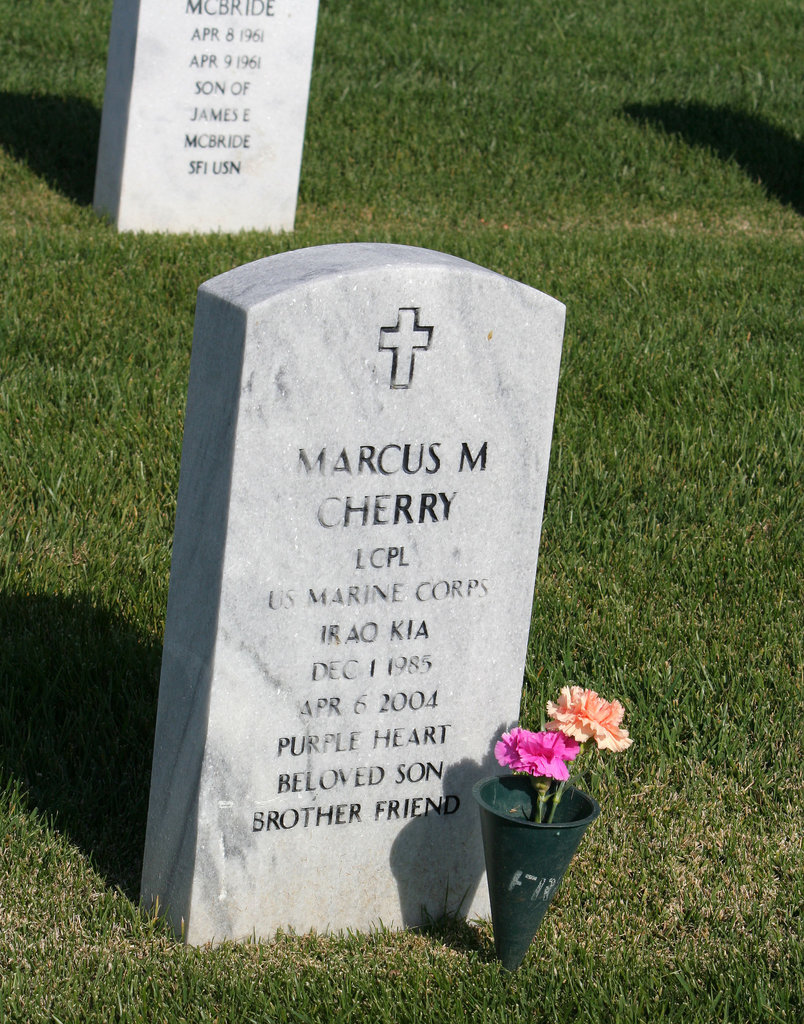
257,282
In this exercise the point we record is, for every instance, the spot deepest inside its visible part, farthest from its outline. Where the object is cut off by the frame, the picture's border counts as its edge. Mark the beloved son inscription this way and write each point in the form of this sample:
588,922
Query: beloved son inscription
204,113
363,475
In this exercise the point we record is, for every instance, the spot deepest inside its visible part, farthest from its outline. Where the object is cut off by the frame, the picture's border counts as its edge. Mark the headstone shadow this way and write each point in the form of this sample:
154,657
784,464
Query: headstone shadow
454,871
78,692
56,136
769,155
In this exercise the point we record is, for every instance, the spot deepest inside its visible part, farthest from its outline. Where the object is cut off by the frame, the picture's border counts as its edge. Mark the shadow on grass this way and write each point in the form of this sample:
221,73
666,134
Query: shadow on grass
768,155
463,937
57,137
78,693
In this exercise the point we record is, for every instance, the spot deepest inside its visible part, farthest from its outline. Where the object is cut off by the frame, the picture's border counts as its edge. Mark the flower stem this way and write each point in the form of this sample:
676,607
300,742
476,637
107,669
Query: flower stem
556,798
542,787
555,801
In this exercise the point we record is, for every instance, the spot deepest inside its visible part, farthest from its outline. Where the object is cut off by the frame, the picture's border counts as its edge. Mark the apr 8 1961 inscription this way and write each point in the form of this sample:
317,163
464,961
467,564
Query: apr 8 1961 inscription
363,474
204,113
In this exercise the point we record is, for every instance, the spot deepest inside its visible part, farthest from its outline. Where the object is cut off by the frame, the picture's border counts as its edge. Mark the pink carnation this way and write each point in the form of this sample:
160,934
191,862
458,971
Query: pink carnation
507,750
538,753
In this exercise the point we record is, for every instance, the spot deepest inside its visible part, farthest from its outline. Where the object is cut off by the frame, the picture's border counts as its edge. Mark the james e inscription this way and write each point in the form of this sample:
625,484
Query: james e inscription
363,475
204,113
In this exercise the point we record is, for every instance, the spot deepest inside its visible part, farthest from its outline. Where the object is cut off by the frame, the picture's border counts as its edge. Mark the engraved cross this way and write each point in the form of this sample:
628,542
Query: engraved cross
403,341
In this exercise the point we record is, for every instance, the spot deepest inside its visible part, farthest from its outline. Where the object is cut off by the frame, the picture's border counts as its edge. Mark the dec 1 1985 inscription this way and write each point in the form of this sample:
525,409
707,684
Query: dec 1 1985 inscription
376,692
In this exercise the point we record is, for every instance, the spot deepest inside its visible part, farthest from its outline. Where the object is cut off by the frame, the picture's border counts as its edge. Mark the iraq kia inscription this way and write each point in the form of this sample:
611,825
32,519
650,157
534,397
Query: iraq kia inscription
363,474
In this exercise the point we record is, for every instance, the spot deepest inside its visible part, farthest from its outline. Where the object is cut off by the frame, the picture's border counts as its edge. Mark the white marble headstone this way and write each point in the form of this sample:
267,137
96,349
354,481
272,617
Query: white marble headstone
204,114
362,482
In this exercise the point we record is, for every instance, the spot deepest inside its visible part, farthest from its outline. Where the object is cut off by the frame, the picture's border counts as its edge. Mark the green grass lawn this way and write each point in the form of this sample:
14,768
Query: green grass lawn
644,165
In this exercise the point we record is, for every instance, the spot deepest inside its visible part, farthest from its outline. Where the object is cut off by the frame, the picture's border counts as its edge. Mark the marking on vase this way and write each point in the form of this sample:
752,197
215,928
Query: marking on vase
548,890
544,887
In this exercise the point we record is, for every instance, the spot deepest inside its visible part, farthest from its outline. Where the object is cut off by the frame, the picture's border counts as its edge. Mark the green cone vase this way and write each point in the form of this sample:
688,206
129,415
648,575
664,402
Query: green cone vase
525,861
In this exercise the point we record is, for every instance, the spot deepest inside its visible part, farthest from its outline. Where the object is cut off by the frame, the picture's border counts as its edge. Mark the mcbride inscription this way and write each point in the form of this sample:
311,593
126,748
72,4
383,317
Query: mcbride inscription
211,90
350,589
231,53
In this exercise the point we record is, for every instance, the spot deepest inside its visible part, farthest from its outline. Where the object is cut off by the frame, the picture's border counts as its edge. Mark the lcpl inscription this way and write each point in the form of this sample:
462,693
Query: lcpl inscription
388,683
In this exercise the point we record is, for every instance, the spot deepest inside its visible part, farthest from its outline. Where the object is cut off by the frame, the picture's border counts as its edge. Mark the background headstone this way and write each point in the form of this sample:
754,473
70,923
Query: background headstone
204,114
363,476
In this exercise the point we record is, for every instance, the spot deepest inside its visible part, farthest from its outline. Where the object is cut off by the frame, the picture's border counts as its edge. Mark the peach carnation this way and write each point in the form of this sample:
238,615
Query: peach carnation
583,715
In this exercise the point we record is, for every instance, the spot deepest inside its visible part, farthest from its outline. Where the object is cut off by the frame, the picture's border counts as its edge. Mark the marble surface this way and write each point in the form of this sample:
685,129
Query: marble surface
204,114
363,475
